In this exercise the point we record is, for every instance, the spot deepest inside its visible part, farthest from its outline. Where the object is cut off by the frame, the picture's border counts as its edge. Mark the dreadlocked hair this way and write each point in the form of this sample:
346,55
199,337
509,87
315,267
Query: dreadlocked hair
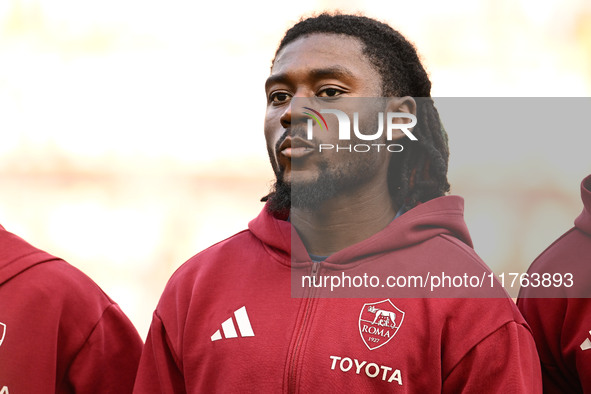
419,172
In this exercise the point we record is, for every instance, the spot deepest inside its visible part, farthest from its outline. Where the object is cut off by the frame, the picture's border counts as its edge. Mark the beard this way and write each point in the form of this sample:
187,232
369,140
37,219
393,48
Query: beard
330,183
338,174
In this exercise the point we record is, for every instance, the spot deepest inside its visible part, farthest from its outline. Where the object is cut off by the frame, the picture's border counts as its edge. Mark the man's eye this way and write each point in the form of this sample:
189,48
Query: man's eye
279,97
330,92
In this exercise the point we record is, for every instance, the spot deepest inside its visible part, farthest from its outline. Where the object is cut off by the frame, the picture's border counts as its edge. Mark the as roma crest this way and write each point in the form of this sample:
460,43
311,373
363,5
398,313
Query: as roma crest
379,322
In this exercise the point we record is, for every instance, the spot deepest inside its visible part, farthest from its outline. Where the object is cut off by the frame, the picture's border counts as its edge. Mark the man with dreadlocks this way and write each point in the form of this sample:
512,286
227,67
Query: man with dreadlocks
239,316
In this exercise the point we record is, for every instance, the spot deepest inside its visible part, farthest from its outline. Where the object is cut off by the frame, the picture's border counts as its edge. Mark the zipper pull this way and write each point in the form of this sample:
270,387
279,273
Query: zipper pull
315,268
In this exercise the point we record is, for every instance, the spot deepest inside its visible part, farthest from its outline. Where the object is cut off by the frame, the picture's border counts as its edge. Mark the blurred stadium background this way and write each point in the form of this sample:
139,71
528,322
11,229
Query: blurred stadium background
131,131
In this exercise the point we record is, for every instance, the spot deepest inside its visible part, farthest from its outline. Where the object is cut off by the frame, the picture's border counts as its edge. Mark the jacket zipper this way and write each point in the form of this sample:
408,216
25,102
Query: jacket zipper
292,379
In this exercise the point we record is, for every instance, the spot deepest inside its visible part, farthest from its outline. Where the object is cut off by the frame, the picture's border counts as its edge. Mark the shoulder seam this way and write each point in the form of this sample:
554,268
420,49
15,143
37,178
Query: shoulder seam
479,342
551,246
177,359
204,250
471,253
110,305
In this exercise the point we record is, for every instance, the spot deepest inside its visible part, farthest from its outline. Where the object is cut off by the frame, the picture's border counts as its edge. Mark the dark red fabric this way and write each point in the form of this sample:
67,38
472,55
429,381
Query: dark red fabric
561,325
61,333
312,344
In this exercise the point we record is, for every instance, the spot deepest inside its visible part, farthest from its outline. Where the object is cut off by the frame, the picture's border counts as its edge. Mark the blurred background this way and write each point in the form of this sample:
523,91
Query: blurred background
131,131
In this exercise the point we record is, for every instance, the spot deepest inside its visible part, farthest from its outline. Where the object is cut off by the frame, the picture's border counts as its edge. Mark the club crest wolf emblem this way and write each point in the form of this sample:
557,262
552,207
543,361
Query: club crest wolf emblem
379,322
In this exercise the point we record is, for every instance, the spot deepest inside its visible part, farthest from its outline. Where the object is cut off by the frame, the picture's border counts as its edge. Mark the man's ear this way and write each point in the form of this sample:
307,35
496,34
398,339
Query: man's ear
405,104
402,104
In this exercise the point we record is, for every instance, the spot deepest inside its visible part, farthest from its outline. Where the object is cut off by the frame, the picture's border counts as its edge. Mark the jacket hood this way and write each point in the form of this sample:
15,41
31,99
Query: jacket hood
440,216
583,222
17,255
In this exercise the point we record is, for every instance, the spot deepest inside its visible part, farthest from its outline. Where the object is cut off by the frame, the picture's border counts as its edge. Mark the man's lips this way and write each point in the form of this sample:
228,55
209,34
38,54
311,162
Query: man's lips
295,147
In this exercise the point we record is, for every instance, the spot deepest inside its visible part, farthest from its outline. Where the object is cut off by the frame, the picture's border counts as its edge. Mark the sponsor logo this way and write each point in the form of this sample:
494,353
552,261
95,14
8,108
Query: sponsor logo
371,370
586,345
379,322
2,332
229,329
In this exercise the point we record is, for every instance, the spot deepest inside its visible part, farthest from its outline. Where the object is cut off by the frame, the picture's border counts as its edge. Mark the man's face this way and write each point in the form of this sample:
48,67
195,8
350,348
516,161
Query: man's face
313,67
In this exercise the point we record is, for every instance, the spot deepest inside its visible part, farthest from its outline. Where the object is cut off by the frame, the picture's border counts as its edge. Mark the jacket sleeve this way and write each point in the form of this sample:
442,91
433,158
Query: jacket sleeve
108,360
159,370
504,362
560,327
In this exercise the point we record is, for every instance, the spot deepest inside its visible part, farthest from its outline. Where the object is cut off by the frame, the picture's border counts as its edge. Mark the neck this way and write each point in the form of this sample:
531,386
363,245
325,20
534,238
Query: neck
344,220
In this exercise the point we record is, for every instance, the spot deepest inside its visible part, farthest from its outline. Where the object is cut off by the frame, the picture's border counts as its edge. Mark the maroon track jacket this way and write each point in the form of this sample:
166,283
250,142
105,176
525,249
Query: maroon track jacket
228,322
560,318
59,333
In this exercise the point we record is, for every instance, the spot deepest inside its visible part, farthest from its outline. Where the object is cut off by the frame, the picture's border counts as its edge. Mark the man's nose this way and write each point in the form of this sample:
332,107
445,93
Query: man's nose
294,113
285,118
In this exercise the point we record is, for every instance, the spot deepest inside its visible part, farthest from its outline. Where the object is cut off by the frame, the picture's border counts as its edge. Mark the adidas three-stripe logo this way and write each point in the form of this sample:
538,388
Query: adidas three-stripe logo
230,331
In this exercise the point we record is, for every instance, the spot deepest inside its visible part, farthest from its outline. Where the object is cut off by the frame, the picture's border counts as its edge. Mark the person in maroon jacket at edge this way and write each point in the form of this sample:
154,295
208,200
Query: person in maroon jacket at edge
228,320
560,317
59,332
